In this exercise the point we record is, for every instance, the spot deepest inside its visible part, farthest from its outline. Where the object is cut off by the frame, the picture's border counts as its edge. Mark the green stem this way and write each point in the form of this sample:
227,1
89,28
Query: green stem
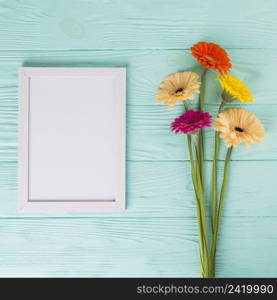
186,106
200,191
199,172
201,154
224,183
214,172
214,181
221,106
219,213
202,229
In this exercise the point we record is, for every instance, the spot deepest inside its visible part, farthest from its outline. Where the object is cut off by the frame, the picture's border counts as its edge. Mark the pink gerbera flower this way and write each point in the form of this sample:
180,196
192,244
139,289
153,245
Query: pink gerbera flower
191,121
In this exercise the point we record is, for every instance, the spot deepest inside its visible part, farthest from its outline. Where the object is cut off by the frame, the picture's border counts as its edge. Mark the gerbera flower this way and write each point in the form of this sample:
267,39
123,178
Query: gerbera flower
235,88
237,126
211,56
191,121
178,87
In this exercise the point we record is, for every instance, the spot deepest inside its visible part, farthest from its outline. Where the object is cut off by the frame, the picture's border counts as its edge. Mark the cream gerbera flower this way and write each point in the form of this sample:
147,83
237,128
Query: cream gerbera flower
237,126
235,88
178,87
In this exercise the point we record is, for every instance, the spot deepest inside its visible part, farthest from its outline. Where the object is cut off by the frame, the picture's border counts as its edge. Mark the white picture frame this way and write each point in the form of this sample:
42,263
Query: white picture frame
71,139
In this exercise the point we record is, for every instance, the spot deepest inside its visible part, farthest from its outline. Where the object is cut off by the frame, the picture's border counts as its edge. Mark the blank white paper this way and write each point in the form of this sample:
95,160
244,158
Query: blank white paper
72,138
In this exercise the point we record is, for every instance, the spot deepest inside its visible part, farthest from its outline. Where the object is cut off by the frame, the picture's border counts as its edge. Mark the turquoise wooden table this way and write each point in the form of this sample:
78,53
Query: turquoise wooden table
157,235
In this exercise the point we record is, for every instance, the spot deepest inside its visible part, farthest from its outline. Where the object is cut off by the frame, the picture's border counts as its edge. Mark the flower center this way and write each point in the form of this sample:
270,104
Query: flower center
179,91
211,59
239,129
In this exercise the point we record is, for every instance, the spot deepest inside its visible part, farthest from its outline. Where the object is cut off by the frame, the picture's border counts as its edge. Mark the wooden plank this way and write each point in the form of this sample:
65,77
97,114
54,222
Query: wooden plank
143,80
156,247
247,247
40,24
164,189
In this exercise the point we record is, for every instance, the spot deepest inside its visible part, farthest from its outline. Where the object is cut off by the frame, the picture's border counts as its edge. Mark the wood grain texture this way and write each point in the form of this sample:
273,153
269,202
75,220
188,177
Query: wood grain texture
157,235
149,136
107,24
145,123
125,247
164,189
98,248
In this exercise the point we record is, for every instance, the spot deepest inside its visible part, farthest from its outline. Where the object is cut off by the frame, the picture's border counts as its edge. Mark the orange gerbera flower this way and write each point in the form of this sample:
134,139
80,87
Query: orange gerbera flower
211,56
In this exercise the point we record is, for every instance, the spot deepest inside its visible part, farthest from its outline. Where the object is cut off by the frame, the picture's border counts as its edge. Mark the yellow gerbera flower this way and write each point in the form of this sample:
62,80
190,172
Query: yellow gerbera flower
237,126
235,88
178,87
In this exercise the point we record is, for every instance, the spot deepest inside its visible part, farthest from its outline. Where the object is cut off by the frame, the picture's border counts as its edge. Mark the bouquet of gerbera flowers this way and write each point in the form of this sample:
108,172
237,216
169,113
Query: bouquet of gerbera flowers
234,125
